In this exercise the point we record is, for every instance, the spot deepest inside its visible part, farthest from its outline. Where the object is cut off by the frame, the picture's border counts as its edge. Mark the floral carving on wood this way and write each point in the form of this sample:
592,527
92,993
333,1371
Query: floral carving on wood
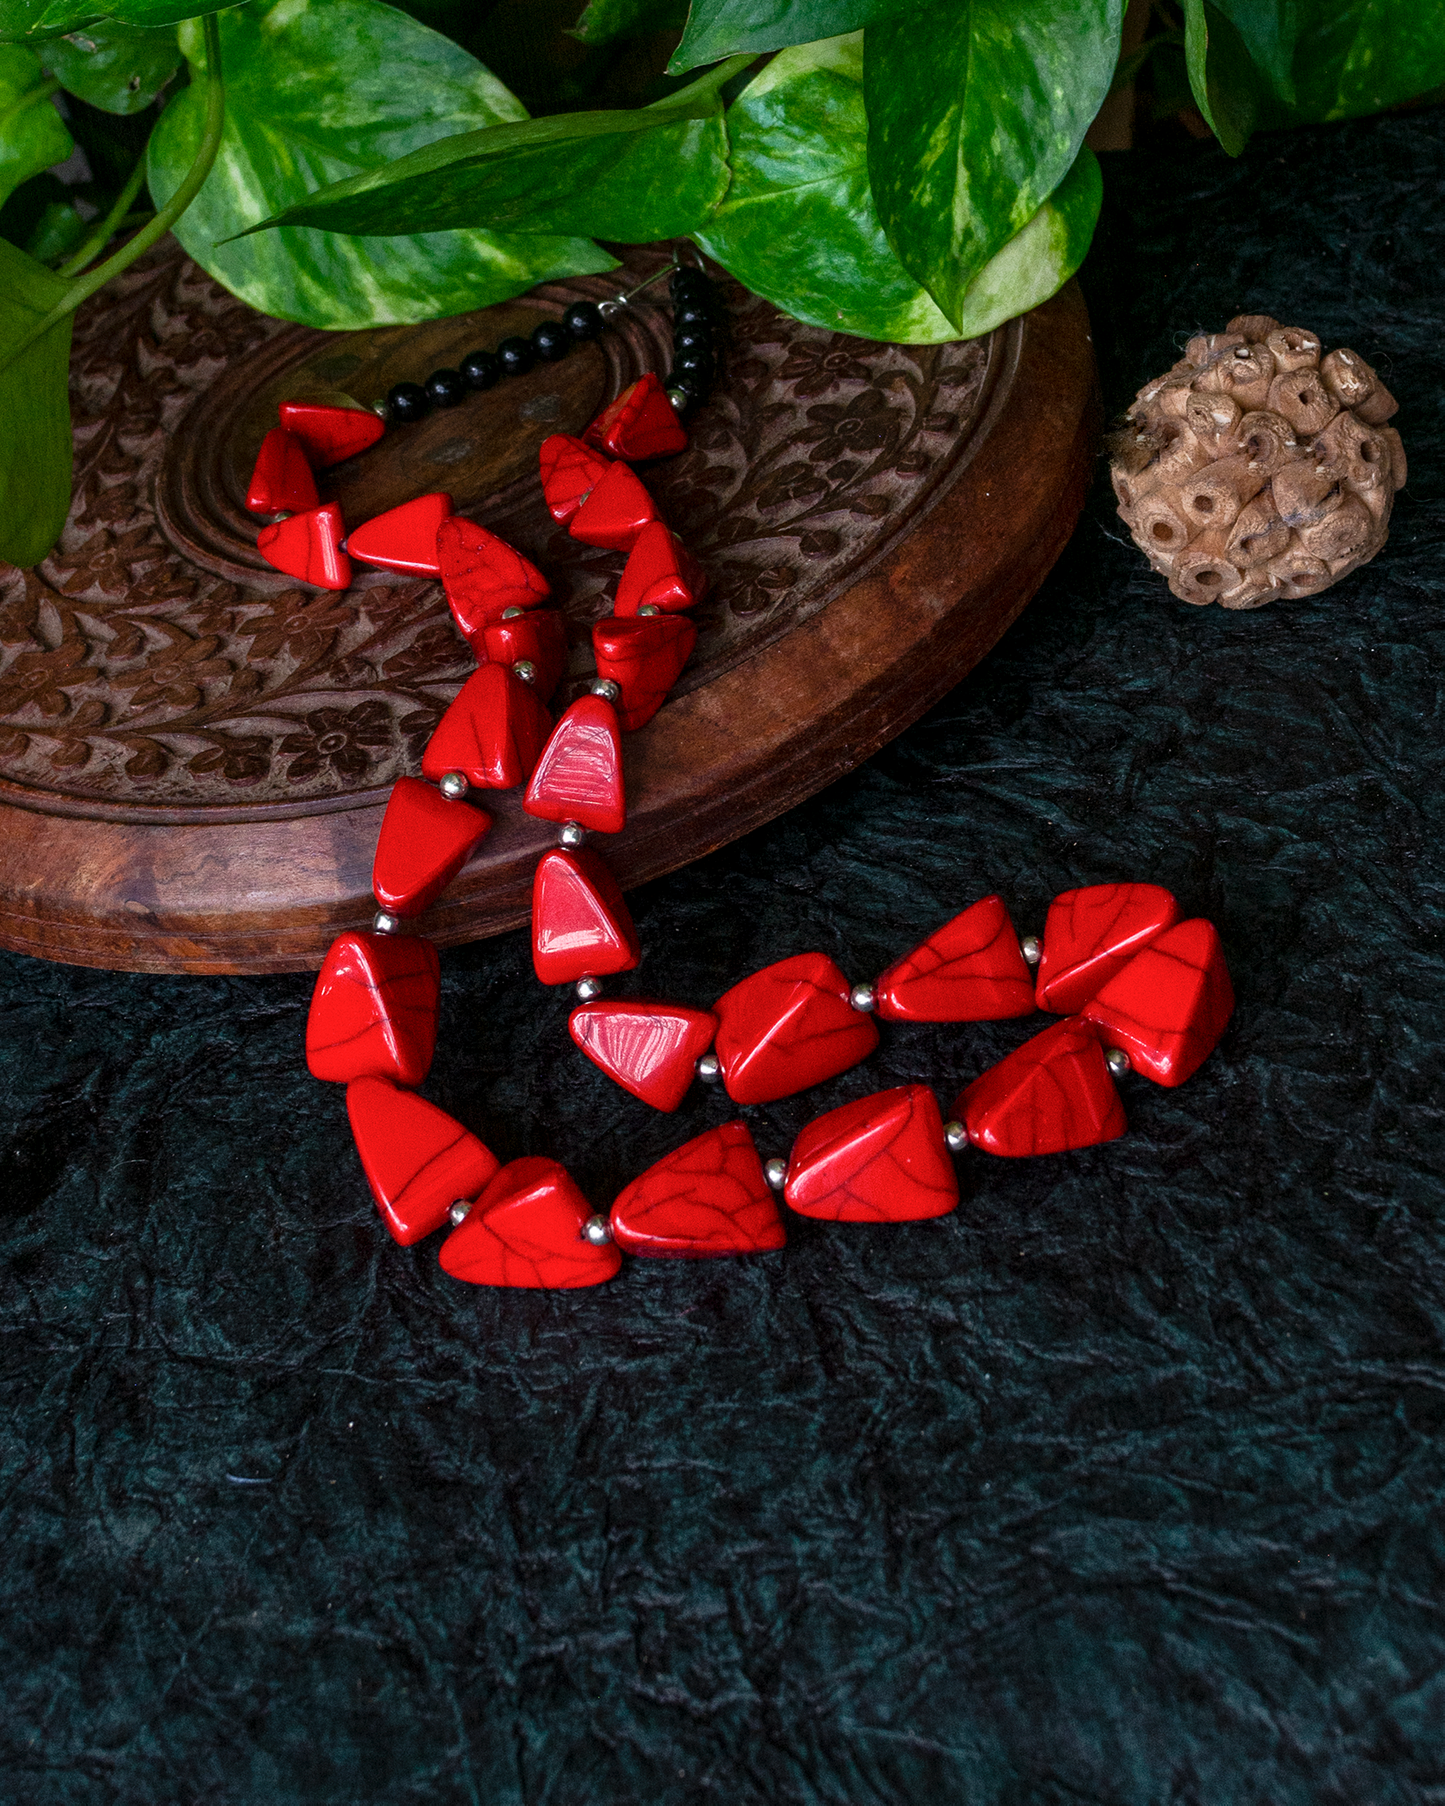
131,677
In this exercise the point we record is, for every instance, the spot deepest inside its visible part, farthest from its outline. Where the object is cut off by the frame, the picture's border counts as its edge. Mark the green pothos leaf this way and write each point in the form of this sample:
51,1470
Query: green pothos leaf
35,449
799,224
719,28
976,112
1222,74
21,19
603,21
32,135
316,91
118,68
631,175
66,15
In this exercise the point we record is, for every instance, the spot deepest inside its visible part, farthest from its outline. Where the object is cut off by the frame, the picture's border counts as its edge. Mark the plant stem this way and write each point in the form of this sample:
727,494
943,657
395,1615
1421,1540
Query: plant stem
105,231
85,286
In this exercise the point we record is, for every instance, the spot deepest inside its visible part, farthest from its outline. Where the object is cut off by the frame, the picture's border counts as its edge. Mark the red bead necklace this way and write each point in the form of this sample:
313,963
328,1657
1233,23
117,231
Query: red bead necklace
1136,985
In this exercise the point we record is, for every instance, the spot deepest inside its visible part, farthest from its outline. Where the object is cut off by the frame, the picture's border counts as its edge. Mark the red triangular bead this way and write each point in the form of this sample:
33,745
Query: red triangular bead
308,546
644,659
330,435
970,970
418,1161
882,1159
492,733
580,925
423,844
651,1049
483,576
707,1198
526,1229
1169,1005
404,538
282,482
615,512
660,573
787,1027
539,635
1091,934
374,1009
579,775
1050,1095
570,471
641,423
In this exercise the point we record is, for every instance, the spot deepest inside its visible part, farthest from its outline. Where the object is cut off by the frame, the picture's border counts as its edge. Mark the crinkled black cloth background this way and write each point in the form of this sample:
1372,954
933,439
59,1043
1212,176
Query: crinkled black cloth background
1121,1484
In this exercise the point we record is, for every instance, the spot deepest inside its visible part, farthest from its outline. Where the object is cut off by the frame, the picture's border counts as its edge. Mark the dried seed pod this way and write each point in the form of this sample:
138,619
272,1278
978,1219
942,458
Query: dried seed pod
1292,348
1257,467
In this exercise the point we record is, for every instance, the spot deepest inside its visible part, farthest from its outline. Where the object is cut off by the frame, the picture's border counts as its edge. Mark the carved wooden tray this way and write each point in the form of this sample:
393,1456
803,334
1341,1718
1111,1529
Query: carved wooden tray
195,753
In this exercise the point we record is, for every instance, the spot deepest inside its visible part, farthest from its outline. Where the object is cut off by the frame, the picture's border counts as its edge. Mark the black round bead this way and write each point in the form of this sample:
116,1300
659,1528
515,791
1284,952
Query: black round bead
407,402
690,314
552,340
689,382
695,363
516,356
689,283
583,320
446,387
692,338
482,369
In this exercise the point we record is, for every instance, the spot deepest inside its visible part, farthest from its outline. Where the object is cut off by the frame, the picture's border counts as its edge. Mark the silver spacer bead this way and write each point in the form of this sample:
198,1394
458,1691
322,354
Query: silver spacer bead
610,310
709,1069
384,922
454,786
1031,949
649,608
380,409
459,1212
571,834
606,689
526,670
679,399
589,989
775,1171
598,1231
1117,1061
956,1136
513,614
862,997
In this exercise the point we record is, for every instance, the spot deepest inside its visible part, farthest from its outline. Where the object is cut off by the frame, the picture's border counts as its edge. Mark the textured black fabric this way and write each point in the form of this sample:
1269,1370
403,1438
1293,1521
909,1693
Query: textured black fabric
1122,1484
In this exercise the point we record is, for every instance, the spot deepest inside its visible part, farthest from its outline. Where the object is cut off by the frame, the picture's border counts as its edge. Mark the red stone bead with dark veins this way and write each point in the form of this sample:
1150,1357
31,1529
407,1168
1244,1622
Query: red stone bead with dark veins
641,423
308,546
492,733
526,1229
706,1198
1169,1005
615,512
570,471
418,1160
579,775
881,1159
404,538
644,659
660,573
330,435
374,1009
651,1049
580,925
970,970
1050,1095
787,1027
1091,934
539,635
483,577
282,482
424,842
